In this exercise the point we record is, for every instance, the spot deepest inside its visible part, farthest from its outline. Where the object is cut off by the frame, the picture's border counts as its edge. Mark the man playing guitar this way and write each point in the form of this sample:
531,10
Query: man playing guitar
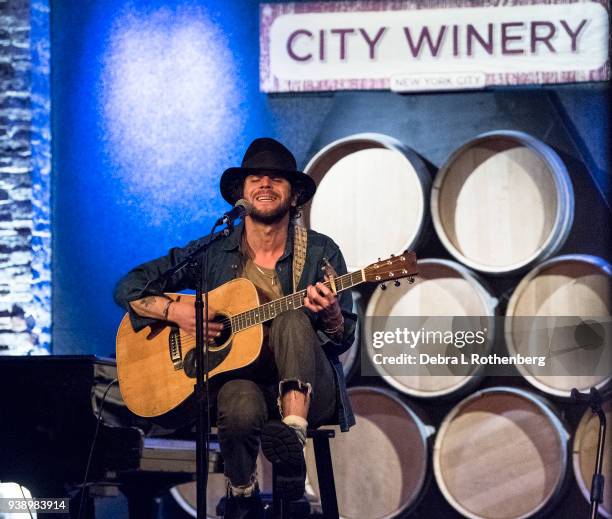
297,381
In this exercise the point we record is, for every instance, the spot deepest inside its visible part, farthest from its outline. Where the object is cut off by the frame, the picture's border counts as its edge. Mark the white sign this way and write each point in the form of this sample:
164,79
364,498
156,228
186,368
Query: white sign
424,46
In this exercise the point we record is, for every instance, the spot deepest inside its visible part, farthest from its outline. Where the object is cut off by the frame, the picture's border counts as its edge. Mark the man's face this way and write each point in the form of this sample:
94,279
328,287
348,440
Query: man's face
270,196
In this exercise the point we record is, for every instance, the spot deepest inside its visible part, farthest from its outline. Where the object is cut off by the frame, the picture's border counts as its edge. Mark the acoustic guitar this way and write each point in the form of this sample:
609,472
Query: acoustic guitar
156,366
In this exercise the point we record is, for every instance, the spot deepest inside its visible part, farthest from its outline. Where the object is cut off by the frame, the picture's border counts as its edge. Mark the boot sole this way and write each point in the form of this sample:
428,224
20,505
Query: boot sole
284,450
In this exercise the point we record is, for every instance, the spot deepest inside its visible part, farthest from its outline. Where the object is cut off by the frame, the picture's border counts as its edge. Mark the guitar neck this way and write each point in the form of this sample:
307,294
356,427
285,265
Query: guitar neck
269,311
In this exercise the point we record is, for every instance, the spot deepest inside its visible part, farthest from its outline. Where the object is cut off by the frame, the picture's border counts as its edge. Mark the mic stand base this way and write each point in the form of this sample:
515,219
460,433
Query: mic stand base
597,483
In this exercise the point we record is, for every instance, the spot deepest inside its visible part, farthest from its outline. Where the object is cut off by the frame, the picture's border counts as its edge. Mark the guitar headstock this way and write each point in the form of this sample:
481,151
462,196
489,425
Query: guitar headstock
396,267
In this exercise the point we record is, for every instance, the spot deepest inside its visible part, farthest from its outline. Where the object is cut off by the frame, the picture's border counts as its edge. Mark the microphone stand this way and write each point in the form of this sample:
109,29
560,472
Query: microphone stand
200,389
597,483
194,260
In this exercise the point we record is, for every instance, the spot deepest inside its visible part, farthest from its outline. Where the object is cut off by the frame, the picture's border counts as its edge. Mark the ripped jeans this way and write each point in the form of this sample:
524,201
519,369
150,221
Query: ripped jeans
245,404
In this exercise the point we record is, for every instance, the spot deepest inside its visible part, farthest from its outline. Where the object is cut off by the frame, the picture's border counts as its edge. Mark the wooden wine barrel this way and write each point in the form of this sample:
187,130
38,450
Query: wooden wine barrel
584,456
578,290
501,453
186,493
372,196
381,465
443,288
502,202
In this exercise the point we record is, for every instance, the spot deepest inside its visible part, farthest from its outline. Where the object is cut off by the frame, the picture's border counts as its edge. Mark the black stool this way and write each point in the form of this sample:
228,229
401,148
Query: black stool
325,473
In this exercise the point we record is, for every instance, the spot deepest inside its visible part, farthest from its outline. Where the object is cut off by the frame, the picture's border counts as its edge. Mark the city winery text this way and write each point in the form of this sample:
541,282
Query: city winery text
506,38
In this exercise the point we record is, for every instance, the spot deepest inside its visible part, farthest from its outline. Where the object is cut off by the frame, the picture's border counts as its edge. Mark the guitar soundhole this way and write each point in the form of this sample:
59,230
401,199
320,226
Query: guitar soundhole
221,341
217,350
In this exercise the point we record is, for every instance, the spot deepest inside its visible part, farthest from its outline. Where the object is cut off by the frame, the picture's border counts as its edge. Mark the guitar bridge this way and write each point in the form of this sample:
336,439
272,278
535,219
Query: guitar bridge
176,353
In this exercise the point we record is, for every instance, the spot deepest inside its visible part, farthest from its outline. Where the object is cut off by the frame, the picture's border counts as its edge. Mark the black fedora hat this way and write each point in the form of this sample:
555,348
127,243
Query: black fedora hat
265,154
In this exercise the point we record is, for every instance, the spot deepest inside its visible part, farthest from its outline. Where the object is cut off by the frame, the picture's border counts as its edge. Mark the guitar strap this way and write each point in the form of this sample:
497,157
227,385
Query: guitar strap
300,244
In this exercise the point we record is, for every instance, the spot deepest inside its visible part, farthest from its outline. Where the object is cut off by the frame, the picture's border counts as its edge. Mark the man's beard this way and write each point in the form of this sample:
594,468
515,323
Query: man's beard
273,217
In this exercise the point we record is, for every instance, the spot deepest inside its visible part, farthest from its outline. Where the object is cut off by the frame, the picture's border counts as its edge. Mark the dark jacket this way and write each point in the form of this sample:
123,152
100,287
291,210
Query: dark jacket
224,261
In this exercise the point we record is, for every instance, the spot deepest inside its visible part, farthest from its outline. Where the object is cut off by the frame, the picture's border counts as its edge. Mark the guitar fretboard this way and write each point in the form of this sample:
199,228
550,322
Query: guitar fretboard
270,310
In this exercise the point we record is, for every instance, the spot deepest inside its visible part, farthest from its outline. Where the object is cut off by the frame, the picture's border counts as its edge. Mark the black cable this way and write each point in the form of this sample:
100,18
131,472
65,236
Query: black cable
93,445
25,498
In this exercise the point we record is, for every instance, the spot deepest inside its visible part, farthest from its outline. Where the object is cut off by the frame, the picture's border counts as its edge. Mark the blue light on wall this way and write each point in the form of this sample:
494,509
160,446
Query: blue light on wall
170,103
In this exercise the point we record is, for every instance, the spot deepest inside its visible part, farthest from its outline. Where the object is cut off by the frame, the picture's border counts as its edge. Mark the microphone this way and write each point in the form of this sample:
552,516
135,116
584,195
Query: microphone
241,208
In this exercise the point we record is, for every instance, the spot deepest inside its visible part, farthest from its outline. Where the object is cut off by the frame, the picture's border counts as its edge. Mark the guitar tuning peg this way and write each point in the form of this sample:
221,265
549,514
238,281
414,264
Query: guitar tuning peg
397,283
411,280
383,286
378,259
393,255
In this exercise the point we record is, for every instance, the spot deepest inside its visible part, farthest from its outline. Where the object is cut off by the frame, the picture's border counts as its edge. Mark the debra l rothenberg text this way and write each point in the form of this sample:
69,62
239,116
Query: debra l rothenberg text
475,359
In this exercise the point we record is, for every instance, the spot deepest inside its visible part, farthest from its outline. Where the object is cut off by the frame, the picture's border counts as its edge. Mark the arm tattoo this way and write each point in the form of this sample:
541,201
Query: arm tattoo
148,301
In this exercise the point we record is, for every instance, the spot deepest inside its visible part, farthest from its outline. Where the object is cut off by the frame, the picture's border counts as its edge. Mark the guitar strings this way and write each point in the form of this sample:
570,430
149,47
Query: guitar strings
279,302
227,321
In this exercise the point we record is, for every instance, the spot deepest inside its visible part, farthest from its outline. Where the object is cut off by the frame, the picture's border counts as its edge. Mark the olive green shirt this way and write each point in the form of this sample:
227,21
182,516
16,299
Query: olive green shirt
265,280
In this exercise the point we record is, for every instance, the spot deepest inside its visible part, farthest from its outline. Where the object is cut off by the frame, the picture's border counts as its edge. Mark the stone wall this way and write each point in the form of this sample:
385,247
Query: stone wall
24,175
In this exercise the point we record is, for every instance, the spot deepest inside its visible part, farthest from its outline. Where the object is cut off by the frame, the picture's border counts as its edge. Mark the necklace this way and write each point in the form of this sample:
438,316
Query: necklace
271,277
251,255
